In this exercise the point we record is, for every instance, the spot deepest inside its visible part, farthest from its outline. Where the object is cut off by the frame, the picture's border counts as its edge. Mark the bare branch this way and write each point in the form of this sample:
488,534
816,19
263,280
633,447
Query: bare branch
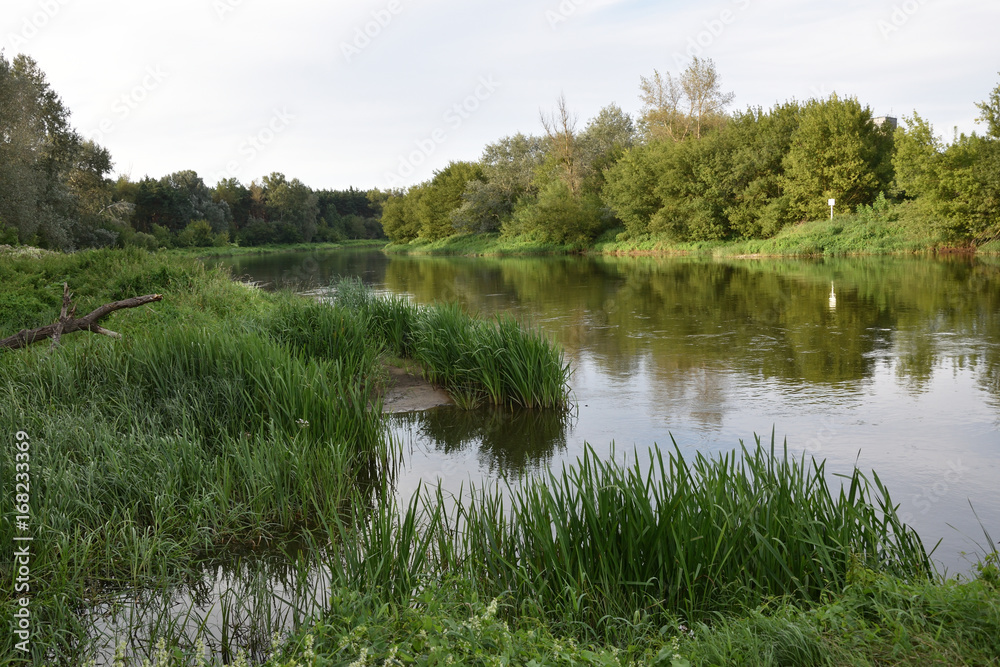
69,323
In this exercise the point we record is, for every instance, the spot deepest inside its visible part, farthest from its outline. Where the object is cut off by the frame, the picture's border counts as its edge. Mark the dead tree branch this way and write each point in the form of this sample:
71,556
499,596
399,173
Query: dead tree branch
68,322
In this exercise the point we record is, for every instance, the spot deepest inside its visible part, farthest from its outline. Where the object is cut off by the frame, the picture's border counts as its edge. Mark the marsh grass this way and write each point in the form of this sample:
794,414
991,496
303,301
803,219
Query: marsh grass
224,417
497,362
598,545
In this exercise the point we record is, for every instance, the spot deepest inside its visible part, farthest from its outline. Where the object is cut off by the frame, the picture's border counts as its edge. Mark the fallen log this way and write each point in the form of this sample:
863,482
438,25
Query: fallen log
68,322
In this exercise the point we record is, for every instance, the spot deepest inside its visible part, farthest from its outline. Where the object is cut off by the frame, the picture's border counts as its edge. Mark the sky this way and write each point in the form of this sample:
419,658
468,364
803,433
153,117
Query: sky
381,93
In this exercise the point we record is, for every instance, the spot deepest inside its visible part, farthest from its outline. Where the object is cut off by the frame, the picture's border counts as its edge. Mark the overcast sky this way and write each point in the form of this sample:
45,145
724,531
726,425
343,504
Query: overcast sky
378,93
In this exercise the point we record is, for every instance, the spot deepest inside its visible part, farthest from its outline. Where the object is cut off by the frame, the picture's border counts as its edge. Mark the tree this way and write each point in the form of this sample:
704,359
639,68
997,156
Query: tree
989,113
293,206
560,132
508,168
443,197
602,143
630,187
755,173
400,219
691,103
837,152
37,149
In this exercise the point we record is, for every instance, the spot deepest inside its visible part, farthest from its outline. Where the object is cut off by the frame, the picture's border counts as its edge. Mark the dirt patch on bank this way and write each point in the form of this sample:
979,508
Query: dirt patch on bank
407,391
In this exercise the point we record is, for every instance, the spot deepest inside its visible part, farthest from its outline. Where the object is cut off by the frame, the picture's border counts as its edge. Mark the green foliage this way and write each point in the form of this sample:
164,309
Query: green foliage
836,152
630,187
989,113
498,363
958,184
508,169
400,217
443,197
558,216
198,234
597,543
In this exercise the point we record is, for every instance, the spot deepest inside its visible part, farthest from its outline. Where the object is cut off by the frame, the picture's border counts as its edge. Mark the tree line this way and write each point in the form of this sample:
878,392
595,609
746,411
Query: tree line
686,169
56,190
689,170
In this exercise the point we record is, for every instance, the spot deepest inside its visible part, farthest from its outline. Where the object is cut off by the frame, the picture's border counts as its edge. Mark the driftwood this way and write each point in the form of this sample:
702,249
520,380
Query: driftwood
69,323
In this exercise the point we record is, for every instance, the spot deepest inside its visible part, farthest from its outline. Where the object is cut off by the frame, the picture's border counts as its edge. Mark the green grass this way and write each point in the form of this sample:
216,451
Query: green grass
593,546
225,417
495,362
233,250
481,244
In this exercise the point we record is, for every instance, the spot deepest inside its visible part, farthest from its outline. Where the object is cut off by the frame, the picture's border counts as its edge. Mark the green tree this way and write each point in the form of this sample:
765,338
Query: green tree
630,187
37,152
293,206
400,218
508,168
443,197
836,152
754,176
602,143
558,215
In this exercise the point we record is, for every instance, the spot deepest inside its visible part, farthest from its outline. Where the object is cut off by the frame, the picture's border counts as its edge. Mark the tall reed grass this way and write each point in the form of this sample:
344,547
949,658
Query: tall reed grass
496,362
600,544
224,417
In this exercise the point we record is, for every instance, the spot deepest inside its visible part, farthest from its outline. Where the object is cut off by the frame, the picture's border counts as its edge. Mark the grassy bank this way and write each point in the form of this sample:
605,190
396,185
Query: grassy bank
894,230
481,244
235,250
225,417
745,559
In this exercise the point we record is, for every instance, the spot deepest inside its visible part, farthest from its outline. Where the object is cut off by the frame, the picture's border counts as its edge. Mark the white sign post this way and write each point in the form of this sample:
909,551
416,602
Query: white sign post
831,202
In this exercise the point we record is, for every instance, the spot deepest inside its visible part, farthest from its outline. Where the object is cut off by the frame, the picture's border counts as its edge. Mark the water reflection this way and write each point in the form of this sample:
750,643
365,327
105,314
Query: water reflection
893,363
507,443
237,604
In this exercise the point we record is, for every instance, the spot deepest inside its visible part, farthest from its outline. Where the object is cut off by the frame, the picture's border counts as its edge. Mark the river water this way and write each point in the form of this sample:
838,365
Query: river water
892,363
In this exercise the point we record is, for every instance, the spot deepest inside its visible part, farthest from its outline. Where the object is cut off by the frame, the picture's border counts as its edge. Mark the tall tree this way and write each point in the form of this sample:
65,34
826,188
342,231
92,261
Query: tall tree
560,131
837,152
37,152
443,197
508,167
691,103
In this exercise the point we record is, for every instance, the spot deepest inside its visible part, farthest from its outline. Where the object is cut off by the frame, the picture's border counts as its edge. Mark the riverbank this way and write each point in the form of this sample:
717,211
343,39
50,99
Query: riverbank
225,419
228,418
904,230
238,251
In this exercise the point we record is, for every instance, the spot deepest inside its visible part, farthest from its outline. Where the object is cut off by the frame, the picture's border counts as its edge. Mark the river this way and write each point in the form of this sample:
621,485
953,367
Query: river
890,363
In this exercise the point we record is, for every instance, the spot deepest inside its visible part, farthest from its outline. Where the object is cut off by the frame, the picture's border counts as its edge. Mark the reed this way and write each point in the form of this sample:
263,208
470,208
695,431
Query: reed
600,544
224,417
497,362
